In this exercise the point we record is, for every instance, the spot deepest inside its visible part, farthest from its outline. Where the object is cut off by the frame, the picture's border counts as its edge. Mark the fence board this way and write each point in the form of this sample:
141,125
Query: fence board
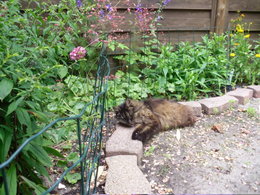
189,16
244,5
253,18
173,4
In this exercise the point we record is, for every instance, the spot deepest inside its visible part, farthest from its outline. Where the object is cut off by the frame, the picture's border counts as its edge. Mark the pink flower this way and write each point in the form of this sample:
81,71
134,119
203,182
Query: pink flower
78,53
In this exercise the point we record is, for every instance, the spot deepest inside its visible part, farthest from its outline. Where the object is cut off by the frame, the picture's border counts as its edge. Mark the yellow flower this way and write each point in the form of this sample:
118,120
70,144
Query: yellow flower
239,28
257,55
247,36
232,54
236,44
242,15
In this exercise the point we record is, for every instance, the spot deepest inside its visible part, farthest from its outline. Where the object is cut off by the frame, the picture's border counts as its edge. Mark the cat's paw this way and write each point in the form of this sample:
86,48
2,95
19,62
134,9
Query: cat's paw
138,136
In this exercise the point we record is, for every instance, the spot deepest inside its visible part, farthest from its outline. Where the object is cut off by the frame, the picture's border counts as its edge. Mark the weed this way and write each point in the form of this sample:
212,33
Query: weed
251,112
150,151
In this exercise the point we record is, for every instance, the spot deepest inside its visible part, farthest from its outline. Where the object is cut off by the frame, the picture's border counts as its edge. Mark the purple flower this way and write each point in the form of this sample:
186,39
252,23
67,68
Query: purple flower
109,8
159,18
138,8
102,13
79,3
165,2
78,53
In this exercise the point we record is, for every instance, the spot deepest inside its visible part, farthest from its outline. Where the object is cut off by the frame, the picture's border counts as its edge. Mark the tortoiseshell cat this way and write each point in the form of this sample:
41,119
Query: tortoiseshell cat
152,116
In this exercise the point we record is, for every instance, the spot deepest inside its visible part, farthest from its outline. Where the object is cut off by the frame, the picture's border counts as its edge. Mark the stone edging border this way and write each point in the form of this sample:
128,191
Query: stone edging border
123,155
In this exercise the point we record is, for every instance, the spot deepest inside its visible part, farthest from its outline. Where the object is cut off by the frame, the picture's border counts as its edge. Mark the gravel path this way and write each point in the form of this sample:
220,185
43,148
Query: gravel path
220,154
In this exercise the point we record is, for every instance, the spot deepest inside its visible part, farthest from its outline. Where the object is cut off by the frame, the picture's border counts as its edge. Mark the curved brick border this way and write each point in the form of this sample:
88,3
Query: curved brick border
124,154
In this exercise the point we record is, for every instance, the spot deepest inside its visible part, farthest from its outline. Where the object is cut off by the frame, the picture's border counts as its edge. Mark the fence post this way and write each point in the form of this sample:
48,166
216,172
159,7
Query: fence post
221,16
213,15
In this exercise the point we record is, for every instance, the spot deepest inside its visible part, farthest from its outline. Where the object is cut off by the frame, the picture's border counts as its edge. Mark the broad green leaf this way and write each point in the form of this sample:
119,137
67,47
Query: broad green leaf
12,107
54,152
6,86
41,155
32,105
12,179
62,163
62,71
72,177
73,157
5,144
2,135
23,117
41,116
37,189
31,162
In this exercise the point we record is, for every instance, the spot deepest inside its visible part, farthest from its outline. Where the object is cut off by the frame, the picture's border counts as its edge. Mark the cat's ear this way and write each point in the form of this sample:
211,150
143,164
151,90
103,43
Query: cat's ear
128,102
116,109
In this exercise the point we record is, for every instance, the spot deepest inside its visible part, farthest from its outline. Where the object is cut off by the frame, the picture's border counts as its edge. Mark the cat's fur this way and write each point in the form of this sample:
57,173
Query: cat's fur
152,116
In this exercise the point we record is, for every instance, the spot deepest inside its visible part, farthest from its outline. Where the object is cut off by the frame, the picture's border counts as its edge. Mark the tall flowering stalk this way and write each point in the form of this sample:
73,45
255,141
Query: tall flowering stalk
244,61
106,17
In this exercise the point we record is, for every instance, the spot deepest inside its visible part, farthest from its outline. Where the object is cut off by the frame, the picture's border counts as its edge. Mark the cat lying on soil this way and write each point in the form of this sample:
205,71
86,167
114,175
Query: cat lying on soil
152,116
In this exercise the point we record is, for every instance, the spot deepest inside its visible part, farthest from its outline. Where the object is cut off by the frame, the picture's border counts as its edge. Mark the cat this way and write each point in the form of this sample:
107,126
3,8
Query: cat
152,116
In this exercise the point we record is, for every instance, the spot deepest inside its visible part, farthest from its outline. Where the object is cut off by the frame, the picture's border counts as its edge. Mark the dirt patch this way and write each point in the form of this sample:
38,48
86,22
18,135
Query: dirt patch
220,154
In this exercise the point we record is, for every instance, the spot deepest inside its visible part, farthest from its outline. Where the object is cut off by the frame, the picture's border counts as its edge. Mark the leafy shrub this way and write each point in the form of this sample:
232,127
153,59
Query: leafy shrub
34,54
187,72
191,70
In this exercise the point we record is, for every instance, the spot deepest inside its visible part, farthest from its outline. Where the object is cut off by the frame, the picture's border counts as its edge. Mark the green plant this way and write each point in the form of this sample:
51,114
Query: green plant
251,112
150,151
244,60
119,88
35,85
187,72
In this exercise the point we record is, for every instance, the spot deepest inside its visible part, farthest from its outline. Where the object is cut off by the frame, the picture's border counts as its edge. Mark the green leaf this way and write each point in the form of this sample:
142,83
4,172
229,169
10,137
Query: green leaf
37,189
31,163
165,71
62,163
5,144
40,154
62,71
12,179
73,157
32,105
12,107
23,117
41,116
6,86
72,177
54,152
2,133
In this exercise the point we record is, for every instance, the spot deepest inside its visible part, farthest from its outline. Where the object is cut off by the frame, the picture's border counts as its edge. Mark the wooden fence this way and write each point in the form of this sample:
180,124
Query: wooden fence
188,20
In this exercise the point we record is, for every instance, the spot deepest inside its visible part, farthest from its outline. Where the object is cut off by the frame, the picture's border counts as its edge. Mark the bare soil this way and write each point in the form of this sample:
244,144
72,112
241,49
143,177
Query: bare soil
220,154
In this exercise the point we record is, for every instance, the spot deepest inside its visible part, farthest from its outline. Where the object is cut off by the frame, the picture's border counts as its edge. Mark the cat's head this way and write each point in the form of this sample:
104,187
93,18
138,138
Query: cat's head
125,112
